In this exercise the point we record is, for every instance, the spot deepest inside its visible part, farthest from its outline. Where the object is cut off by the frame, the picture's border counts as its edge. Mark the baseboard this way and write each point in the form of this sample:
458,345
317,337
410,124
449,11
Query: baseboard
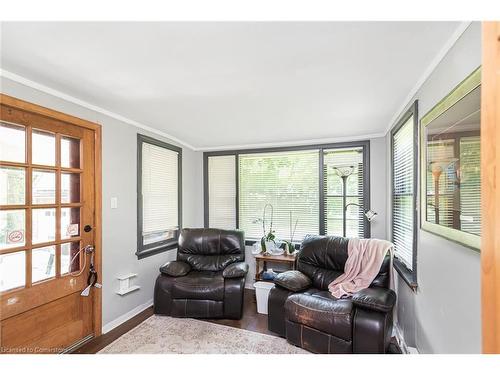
397,333
128,315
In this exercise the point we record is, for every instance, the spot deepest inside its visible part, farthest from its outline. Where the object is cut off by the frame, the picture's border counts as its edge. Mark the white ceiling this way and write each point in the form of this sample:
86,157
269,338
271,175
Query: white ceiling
216,85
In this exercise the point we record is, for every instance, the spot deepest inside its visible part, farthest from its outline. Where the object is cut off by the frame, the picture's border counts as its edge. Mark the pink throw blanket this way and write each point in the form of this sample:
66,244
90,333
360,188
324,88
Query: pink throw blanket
365,257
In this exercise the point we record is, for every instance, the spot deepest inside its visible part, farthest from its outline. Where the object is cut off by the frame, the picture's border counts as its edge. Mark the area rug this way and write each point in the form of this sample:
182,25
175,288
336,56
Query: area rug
167,335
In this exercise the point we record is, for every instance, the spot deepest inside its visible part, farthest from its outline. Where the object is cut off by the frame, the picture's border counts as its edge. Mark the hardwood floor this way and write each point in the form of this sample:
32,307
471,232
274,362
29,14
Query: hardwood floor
251,321
94,345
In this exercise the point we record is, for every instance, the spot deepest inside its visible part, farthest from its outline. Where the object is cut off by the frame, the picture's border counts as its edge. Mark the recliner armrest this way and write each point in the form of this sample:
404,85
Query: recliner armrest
375,298
235,270
294,281
175,268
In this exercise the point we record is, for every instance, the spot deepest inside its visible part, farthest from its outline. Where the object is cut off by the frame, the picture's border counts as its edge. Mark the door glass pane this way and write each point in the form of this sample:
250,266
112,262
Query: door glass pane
12,142
69,251
12,228
44,187
70,222
44,225
12,270
70,152
12,185
70,187
43,148
43,263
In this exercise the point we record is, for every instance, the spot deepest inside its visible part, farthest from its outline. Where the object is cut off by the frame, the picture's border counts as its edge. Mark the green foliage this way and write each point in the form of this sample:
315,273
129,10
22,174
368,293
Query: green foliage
287,180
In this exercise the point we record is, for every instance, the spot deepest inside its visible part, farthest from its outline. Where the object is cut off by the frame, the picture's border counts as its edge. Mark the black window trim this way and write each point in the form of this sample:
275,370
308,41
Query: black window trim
321,148
144,251
409,276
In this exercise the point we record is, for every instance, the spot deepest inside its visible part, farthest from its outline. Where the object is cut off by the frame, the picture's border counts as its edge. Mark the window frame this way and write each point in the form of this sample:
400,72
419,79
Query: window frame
365,145
409,276
144,251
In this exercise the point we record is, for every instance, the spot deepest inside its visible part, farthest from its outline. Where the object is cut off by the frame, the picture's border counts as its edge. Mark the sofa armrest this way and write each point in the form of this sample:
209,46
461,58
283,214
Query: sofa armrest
294,281
235,270
375,298
175,268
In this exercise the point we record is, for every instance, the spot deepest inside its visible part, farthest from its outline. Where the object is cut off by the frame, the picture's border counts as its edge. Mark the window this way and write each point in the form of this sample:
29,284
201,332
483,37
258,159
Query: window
404,217
222,191
344,193
158,196
297,181
289,182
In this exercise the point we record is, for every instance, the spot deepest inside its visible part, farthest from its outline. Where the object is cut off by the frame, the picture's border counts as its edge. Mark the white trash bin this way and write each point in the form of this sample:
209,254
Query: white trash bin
262,290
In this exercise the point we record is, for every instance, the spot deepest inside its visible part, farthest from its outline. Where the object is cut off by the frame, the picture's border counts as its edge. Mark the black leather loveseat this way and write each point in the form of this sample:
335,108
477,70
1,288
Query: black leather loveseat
207,280
301,308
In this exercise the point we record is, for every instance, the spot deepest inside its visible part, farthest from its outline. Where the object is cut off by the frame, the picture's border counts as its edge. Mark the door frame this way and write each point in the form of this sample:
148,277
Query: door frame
490,188
96,128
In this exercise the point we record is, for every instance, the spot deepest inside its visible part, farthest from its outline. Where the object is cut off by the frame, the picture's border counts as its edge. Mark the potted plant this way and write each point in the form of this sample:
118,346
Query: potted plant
289,247
267,241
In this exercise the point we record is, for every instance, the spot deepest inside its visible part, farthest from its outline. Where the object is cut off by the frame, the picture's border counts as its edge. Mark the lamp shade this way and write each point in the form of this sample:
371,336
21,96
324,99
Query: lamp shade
370,215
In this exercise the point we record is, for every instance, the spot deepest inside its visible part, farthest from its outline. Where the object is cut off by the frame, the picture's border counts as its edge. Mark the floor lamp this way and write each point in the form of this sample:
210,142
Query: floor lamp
436,168
344,173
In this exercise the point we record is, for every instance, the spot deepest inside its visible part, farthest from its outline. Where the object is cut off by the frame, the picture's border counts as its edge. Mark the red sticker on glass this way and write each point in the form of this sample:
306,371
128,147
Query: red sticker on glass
72,230
16,236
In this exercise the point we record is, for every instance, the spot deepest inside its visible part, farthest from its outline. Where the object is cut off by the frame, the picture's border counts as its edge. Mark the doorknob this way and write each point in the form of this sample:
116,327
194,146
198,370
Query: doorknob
87,228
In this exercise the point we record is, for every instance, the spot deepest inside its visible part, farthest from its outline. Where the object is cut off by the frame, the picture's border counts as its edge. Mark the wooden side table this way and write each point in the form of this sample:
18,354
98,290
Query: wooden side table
283,259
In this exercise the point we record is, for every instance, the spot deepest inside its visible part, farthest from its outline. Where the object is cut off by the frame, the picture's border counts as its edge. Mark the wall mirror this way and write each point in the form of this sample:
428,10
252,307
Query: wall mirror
450,165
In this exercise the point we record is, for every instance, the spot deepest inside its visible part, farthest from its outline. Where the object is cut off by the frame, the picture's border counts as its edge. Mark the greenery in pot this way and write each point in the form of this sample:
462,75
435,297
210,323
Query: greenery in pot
289,247
267,235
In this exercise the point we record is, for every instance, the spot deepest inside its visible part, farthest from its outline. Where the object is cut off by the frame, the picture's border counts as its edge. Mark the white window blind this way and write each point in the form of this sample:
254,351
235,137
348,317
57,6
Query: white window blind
470,184
222,191
403,156
160,193
347,162
287,180
438,150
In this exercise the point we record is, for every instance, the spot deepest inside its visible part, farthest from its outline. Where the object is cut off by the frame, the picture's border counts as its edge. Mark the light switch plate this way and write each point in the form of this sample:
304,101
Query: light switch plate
114,202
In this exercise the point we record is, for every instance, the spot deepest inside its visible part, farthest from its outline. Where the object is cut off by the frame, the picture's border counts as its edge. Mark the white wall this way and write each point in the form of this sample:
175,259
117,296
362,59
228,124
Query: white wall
119,180
378,186
444,314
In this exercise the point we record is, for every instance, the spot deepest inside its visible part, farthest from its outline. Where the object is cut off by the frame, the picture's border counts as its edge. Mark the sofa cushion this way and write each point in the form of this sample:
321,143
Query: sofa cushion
374,298
175,268
320,310
235,270
203,285
322,258
209,249
294,281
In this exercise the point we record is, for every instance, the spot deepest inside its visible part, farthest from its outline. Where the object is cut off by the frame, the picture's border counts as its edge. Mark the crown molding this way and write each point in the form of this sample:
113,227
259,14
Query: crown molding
69,98
429,70
306,142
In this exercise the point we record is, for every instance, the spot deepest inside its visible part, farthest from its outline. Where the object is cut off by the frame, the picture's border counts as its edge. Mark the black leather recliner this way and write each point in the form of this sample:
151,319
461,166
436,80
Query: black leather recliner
301,308
208,278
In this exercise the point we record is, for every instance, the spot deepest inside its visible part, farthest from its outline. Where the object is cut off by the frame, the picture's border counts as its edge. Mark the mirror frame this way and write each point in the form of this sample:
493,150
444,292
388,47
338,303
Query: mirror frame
469,84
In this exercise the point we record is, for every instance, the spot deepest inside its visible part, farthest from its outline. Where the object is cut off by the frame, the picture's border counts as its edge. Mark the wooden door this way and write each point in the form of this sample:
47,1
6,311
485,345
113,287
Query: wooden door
49,211
490,187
